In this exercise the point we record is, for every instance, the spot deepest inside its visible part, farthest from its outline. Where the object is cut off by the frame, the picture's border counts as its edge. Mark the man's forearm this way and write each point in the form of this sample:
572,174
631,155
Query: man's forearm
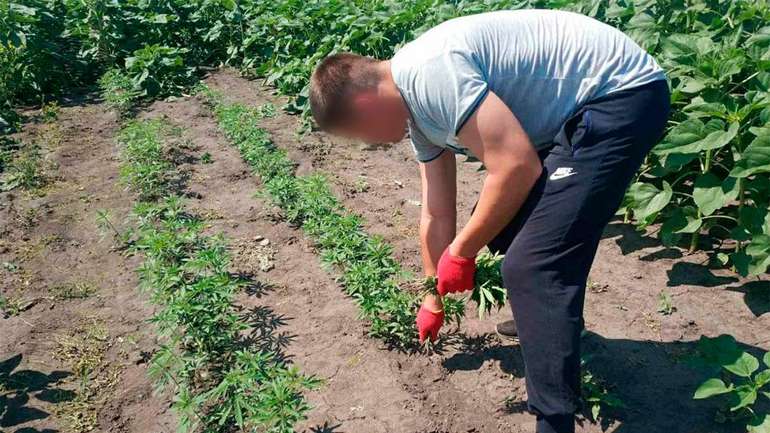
501,197
435,234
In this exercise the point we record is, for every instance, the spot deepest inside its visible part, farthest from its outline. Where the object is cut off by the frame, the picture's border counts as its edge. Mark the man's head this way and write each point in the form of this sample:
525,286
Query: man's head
355,97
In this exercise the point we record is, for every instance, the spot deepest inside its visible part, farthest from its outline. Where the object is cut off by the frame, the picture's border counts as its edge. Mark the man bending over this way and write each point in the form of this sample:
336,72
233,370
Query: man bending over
561,110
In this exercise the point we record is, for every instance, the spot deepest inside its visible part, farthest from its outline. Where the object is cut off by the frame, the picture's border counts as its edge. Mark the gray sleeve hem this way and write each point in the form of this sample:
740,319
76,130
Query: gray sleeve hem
471,109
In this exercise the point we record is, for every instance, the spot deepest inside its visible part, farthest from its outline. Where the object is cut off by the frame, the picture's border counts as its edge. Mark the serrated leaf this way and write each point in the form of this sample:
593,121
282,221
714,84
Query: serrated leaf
710,388
744,366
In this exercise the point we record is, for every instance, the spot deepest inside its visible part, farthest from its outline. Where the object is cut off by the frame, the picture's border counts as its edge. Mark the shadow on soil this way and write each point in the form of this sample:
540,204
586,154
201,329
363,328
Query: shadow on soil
264,322
653,379
628,238
756,295
326,428
20,388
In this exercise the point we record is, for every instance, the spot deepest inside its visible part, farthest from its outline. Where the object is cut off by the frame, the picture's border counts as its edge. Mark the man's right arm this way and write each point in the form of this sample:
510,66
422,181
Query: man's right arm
438,219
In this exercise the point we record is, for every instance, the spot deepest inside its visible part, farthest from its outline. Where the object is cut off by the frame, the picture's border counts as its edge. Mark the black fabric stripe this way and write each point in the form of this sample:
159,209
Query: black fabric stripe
431,159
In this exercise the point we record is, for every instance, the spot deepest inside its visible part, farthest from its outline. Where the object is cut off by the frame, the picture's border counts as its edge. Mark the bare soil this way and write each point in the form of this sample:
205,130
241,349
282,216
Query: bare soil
475,384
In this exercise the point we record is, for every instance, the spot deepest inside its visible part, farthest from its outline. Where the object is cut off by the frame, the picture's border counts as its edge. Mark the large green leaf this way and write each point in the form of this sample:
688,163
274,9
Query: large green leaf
710,388
647,200
692,136
744,366
756,157
711,193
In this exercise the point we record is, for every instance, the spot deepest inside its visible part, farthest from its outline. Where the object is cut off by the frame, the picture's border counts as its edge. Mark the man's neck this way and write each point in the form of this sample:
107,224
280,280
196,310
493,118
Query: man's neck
388,91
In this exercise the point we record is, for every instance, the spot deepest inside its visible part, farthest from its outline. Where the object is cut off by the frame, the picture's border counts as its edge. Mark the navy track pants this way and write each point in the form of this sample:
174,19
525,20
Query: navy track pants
550,244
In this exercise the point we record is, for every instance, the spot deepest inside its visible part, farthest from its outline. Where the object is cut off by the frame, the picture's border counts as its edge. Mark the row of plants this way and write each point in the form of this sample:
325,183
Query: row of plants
222,377
369,273
706,183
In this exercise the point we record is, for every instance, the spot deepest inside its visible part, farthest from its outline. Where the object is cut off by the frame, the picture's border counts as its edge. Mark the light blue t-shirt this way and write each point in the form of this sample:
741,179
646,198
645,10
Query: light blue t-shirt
543,64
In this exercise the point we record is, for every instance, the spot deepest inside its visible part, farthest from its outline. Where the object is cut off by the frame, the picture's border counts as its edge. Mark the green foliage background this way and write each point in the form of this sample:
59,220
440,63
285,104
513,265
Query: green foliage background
707,182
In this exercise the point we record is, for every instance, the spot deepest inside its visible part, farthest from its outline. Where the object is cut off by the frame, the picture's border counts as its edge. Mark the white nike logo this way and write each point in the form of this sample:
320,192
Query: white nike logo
562,172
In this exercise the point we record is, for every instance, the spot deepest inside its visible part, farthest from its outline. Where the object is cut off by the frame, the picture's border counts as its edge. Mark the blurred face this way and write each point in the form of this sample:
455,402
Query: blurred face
374,119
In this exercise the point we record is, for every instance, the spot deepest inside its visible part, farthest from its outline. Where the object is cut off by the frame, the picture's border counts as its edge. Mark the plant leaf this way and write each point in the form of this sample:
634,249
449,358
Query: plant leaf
762,378
711,193
710,388
646,199
744,366
756,157
744,396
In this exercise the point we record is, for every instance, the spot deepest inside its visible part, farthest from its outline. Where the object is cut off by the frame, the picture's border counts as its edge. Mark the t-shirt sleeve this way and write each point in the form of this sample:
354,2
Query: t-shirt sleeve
424,150
452,85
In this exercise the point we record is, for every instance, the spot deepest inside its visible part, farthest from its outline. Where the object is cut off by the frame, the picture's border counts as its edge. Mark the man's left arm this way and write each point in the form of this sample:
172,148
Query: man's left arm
495,136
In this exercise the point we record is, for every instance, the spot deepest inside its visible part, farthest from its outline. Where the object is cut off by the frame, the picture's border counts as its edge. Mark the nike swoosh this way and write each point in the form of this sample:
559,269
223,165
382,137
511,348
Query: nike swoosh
557,176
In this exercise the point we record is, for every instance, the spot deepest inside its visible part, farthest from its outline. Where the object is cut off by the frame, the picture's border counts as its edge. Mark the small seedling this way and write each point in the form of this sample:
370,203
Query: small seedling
206,158
105,225
74,290
595,393
50,111
14,305
665,303
266,110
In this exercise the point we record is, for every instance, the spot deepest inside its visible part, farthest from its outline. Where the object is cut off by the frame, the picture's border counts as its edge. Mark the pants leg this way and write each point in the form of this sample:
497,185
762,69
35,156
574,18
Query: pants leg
552,242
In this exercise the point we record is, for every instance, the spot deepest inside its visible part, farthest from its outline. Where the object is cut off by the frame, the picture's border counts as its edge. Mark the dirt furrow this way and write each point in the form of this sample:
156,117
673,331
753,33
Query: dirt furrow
82,311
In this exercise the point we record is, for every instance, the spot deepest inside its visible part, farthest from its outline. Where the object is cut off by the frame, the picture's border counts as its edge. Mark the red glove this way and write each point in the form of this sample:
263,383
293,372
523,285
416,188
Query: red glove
429,322
455,274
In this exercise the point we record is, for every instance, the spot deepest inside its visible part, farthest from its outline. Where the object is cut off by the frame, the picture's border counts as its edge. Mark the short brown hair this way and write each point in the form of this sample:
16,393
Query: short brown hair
334,80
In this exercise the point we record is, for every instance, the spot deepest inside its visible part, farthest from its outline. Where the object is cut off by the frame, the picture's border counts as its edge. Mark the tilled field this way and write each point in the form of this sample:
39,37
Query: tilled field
75,352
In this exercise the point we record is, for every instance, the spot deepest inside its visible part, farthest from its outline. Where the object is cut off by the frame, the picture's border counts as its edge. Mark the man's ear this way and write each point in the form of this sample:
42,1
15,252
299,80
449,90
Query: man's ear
364,102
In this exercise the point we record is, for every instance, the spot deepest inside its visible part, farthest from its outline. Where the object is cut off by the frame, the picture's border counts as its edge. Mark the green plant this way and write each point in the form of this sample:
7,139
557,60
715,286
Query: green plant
665,303
221,380
146,169
594,392
738,377
105,225
26,170
73,290
12,306
157,70
206,158
118,91
50,111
